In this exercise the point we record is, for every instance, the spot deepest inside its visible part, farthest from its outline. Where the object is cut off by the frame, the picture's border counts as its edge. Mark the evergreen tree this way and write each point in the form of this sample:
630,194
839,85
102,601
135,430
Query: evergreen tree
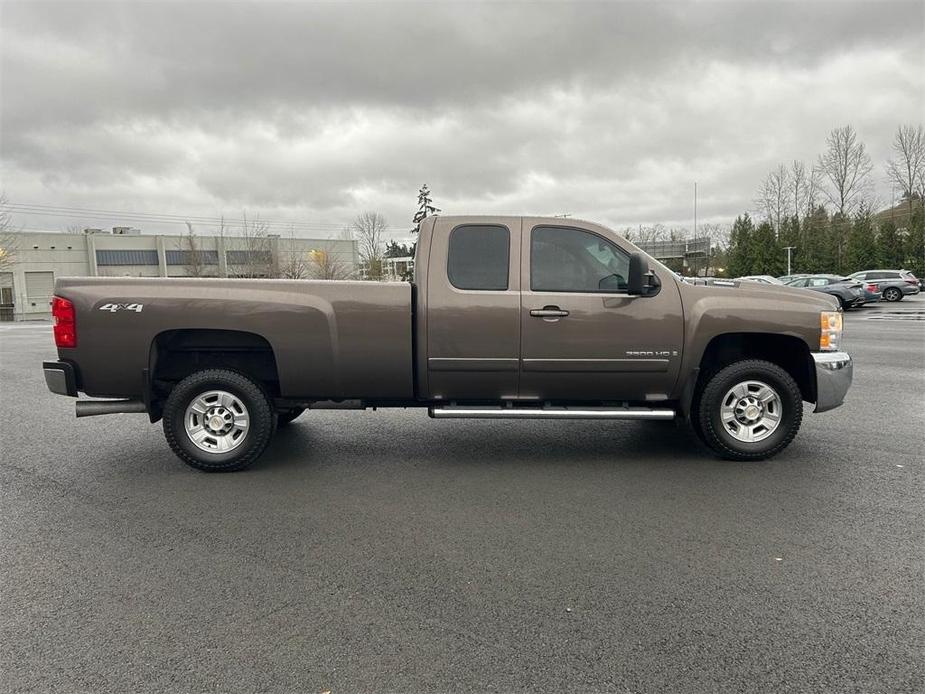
790,236
766,252
839,231
861,246
738,255
914,243
425,207
393,249
889,245
815,247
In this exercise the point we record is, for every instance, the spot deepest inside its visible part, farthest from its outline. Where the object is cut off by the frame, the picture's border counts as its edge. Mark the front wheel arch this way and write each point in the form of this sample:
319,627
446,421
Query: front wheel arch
790,353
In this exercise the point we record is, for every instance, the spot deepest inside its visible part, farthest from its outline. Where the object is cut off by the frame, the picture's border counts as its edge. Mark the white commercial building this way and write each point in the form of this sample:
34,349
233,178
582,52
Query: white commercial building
28,268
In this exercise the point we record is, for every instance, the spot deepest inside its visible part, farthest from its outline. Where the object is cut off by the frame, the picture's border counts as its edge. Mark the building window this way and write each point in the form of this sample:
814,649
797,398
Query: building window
126,257
187,258
479,257
249,257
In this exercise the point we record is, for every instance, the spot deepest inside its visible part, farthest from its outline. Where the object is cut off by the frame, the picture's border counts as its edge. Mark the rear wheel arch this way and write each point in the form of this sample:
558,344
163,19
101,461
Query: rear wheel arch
175,354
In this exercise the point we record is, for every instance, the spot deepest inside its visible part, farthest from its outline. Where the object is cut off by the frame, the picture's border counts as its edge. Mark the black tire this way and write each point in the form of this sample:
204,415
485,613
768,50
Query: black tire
892,294
284,417
253,397
708,414
842,304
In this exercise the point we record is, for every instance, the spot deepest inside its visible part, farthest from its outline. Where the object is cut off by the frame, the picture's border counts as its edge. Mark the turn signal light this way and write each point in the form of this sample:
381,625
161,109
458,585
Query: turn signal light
65,329
831,325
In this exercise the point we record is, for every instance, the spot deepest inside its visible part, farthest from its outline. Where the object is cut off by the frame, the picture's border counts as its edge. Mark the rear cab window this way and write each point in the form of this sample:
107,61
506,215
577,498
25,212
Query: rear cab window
479,257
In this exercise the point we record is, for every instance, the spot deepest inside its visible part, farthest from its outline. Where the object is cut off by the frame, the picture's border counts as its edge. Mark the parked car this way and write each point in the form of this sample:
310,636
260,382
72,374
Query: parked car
786,279
764,279
893,284
849,292
507,318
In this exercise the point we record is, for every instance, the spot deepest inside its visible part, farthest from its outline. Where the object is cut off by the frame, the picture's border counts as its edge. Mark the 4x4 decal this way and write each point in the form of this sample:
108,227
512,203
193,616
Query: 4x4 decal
112,308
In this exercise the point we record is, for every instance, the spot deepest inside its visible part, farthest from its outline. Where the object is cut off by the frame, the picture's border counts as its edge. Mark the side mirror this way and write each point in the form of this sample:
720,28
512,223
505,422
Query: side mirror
642,281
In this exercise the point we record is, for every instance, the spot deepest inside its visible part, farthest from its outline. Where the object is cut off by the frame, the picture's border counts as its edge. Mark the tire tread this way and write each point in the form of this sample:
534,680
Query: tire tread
262,421
718,382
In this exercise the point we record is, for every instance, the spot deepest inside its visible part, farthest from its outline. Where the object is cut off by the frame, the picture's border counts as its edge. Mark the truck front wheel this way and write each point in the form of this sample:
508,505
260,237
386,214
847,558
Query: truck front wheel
750,410
218,420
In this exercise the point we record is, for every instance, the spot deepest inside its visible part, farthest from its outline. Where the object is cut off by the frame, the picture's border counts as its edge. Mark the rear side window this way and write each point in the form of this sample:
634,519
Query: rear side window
479,257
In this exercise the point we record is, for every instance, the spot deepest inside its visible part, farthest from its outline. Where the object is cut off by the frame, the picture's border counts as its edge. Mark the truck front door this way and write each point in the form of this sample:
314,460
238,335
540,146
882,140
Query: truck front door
582,336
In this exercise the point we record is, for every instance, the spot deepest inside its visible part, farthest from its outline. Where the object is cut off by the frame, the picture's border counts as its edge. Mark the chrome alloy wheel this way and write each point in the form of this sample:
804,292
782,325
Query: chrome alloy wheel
751,411
216,421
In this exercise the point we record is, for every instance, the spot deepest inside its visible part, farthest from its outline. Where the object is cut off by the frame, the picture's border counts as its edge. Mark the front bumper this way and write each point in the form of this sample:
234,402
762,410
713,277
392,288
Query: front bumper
834,371
60,377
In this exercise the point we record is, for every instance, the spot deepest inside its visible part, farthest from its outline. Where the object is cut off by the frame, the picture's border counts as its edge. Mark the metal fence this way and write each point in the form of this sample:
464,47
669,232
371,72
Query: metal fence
663,250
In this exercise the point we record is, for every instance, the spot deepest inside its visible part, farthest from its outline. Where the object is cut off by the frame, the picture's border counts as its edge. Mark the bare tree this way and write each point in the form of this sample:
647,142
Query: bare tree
774,196
295,265
906,170
253,253
327,264
846,168
9,241
647,234
369,229
813,189
193,256
804,188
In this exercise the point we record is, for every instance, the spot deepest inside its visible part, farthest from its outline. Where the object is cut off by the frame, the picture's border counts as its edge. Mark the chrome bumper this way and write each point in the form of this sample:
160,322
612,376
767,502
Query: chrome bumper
834,371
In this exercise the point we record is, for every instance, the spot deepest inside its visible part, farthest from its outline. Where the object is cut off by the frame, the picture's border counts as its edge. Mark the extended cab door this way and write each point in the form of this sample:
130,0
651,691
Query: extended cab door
473,309
583,337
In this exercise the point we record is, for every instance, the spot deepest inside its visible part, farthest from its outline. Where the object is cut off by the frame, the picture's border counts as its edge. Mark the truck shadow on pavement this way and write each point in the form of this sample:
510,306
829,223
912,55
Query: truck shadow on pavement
484,443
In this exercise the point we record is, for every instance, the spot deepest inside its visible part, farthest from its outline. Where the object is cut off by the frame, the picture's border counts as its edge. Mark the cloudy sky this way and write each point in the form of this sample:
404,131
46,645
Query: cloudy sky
311,113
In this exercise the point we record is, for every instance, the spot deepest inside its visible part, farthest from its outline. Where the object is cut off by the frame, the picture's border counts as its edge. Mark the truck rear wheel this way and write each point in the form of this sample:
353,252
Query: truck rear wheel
750,410
218,420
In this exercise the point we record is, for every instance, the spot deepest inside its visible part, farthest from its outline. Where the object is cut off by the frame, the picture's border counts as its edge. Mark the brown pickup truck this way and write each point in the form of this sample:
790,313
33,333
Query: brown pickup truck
507,318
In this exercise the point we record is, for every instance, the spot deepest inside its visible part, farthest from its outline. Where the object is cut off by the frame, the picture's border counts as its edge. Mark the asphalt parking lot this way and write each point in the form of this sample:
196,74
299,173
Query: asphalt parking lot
388,552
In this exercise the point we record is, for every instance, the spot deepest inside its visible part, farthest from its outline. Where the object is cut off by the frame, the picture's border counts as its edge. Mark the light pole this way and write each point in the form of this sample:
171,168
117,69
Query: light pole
695,209
788,249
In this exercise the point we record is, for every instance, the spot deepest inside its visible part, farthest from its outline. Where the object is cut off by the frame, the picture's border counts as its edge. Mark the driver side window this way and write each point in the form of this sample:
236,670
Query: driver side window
572,260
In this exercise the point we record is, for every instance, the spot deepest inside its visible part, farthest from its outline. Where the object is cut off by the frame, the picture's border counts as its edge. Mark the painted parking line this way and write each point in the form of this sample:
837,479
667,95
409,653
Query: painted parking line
897,315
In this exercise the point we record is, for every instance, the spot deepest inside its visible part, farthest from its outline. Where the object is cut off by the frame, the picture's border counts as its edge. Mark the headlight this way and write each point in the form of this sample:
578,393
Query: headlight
830,337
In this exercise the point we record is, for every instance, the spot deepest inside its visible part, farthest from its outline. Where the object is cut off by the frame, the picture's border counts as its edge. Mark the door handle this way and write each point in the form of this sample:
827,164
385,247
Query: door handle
548,312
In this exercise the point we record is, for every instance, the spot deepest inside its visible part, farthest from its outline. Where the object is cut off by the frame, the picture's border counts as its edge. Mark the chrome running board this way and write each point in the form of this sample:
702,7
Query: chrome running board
461,412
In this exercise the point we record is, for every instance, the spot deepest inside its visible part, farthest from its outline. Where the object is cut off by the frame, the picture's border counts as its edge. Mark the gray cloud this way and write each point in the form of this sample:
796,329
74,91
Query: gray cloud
608,110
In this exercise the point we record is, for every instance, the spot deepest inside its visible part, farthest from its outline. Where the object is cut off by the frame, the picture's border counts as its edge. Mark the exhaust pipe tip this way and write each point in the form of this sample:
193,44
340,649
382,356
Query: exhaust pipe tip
94,408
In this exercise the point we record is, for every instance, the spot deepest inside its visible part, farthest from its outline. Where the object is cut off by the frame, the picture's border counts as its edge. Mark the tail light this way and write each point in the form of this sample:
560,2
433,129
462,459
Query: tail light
912,281
65,328
872,288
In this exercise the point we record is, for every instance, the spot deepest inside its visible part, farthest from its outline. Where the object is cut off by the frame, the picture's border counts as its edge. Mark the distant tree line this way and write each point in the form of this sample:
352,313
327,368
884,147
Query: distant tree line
823,243
824,213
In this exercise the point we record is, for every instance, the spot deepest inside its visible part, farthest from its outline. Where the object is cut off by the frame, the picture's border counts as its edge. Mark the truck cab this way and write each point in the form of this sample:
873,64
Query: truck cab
535,310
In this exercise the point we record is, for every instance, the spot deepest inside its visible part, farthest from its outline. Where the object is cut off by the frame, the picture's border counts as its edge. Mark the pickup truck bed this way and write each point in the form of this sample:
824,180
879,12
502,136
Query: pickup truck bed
328,340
